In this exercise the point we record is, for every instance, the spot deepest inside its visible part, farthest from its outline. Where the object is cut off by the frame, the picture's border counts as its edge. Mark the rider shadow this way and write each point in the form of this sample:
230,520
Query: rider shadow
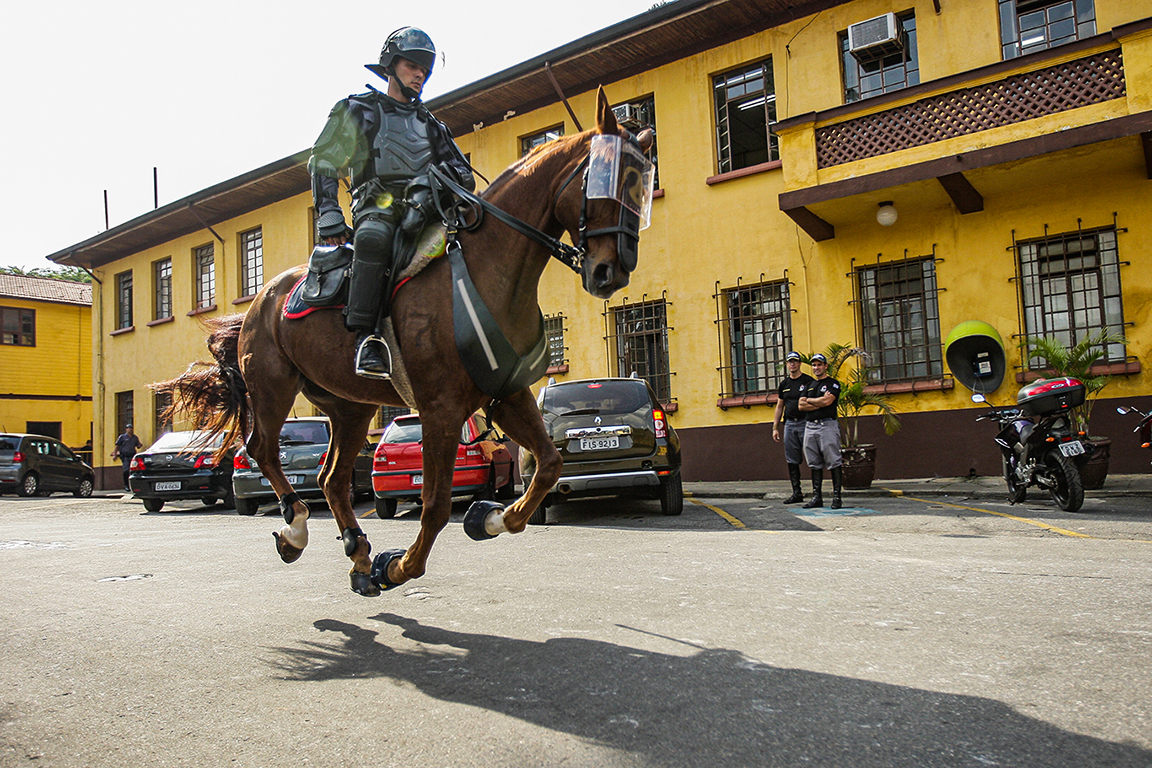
714,702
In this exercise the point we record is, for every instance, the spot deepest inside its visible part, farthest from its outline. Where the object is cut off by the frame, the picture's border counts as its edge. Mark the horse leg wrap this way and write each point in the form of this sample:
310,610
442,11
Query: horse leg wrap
286,506
476,517
350,537
380,568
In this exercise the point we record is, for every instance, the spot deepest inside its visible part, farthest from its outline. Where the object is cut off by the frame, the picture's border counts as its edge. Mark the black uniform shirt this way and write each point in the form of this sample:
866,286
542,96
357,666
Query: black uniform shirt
790,392
818,388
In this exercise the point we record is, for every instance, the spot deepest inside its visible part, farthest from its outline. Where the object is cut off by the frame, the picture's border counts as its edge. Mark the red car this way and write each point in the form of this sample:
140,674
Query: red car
483,467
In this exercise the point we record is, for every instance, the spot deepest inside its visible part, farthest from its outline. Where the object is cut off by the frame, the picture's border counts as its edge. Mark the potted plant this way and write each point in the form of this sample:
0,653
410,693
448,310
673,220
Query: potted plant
1059,359
859,461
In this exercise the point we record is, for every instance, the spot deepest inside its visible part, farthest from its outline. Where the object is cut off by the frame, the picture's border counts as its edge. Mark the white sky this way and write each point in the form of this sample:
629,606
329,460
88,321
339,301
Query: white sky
96,94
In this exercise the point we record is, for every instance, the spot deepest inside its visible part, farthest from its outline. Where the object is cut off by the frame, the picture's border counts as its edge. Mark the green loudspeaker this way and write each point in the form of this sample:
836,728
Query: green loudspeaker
975,355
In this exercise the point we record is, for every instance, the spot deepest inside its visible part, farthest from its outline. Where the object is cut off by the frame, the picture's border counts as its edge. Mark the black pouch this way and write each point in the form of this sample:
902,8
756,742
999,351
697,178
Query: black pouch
327,281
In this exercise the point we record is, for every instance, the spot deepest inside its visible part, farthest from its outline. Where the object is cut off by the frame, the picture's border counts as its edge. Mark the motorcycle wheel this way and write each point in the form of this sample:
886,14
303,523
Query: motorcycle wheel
1068,491
1017,491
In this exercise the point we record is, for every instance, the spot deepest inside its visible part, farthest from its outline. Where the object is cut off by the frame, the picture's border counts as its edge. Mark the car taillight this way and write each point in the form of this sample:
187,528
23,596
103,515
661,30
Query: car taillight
240,461
18,457
204,461
658,421
322,457
137,464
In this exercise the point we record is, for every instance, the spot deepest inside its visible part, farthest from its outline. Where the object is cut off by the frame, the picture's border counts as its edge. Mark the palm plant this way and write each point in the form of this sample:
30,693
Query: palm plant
854,395
1076,361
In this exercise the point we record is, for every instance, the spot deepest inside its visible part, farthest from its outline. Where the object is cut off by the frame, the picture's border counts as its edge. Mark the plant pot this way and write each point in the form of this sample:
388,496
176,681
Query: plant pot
1095,470
859,467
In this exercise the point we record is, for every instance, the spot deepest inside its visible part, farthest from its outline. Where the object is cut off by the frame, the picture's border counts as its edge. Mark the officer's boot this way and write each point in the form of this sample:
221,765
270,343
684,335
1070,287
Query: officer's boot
817,499
836,475
797,494
370,272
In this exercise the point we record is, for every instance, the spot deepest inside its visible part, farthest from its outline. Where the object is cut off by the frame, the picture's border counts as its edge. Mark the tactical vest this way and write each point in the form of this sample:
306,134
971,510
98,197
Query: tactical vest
402,146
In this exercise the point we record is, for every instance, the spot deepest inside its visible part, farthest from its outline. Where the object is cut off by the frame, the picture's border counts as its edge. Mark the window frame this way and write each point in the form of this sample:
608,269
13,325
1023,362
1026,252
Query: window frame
20,337
736,79
1083,24
251,261
124,300
554,328
645,351
204,280
771,354
852,71
125,409
531,141
890,362
162,308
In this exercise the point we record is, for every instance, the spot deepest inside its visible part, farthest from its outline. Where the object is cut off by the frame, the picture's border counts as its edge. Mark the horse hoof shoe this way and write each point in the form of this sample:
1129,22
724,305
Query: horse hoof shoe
380,568
287,552
474,520
362,584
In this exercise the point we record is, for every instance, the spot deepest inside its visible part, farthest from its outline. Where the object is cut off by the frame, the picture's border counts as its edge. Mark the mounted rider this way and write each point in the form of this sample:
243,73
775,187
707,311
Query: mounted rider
386,143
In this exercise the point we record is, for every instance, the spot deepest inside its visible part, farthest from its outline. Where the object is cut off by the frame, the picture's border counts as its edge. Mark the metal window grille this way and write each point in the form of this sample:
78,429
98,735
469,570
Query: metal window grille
638,341
124,409
554,330
529,143
900,319
644,116
385,415
755,333
161,418
19,327
881,75
1027,26
205,276
162,280
124,300
745,112
252,261
1070,287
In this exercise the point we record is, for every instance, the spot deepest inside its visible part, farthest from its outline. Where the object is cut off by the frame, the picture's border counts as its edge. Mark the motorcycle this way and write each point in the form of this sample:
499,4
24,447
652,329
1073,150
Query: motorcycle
1144,428
1037,445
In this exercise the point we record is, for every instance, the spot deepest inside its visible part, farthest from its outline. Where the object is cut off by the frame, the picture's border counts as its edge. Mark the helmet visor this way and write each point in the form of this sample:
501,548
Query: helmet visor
618,170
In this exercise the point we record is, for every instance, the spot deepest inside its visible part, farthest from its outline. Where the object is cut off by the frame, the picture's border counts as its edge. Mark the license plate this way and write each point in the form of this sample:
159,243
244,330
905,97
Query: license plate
599,443
1072,448
170,486
292,480
417,479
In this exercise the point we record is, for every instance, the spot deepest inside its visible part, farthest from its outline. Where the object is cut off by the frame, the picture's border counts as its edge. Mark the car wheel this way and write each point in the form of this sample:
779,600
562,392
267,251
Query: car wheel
84,490
30,485
246,507
386,508
672,495
540,516
153,505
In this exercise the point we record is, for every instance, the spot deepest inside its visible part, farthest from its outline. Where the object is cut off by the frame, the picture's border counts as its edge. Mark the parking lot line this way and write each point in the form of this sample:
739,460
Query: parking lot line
1037,523
731,520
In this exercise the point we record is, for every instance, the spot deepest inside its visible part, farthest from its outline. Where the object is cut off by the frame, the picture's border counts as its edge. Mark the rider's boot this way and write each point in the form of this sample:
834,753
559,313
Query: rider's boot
797,493
817,499
836,477
373,358
366,299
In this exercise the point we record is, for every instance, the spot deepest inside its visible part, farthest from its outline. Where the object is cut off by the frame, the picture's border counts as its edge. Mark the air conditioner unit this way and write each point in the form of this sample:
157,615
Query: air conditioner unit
875,38
627,113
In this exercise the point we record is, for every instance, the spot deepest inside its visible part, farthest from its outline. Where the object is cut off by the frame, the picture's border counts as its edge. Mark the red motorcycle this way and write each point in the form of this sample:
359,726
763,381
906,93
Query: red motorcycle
1144,428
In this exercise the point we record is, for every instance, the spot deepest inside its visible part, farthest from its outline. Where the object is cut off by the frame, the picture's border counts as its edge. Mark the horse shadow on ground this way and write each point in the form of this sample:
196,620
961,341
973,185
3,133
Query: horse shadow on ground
713,706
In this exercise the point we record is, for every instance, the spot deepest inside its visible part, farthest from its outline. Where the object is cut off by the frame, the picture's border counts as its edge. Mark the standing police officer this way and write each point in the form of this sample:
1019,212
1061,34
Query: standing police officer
822,431
788,411
386,143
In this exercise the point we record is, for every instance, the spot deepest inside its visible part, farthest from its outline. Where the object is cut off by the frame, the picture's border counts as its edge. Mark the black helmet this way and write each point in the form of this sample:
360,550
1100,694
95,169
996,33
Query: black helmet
409,42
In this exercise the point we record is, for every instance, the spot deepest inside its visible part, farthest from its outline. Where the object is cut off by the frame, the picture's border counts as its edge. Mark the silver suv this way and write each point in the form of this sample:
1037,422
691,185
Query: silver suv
35,465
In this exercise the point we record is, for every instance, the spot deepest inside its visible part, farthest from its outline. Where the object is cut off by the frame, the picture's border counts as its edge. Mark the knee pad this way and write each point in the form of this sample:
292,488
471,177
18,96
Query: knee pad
373,241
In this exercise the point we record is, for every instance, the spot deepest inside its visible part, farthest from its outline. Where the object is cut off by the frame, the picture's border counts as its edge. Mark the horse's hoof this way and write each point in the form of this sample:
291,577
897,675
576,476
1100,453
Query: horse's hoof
288,553
380,568
362,584
474,520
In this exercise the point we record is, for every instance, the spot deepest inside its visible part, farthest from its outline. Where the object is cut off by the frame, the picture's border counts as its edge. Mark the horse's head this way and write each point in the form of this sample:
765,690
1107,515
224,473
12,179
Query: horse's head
613,203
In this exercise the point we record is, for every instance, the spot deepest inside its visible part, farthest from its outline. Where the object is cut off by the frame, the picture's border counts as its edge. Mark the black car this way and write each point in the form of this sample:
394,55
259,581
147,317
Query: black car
182,465
32,465
615,439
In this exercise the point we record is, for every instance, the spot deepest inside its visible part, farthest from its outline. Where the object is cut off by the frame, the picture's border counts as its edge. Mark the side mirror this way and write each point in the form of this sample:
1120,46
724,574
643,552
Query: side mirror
1123,410
979,398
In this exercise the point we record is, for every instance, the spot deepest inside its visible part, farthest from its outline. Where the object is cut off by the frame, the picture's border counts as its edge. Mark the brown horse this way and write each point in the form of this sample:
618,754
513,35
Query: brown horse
264,360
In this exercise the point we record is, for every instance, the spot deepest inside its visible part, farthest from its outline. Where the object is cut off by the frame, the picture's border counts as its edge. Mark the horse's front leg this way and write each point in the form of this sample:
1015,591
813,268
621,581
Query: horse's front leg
350,423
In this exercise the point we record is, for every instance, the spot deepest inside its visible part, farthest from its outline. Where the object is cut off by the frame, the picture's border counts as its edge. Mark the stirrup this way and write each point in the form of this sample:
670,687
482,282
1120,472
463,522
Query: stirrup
387,356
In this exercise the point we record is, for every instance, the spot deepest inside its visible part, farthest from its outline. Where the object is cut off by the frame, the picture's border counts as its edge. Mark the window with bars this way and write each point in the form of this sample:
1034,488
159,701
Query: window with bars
759,322
636,116
639,336
124,300
161,402
205,260
125,403
554,330
900,319
864,79
529,143
162,289
1070,288
1027,26
18,326
745,101
252,261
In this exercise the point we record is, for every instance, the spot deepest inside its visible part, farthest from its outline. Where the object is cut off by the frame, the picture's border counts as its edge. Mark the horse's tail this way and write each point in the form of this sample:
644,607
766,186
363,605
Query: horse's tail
213,395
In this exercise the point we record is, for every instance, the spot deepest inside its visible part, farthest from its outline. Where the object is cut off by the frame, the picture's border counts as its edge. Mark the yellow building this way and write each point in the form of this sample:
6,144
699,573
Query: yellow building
870,173
46,358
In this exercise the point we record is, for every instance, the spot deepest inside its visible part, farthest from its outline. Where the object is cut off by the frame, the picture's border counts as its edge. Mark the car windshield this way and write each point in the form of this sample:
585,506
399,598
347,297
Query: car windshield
595,397
403,431
301,432
179,441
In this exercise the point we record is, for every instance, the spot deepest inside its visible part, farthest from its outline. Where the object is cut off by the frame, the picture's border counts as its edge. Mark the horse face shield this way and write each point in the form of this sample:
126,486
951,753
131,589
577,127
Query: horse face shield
618,170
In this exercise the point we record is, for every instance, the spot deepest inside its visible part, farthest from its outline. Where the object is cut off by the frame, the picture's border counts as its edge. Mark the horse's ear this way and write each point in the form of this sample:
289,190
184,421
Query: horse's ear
605,117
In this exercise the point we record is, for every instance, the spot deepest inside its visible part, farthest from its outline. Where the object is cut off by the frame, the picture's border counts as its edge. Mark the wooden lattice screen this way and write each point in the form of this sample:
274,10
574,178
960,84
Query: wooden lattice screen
1090,80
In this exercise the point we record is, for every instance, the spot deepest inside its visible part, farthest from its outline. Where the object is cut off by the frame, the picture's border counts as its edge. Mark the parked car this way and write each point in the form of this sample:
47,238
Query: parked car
181,465
483,465
303,448
33,465
615,439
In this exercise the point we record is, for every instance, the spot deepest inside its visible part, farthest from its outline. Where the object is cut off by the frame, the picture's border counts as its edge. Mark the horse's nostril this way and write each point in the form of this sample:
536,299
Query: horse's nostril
602,275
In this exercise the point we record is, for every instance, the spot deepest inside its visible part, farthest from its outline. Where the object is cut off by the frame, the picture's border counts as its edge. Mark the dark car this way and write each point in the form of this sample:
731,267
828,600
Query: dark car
483,465
615,439
303,448
181,465
32,465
